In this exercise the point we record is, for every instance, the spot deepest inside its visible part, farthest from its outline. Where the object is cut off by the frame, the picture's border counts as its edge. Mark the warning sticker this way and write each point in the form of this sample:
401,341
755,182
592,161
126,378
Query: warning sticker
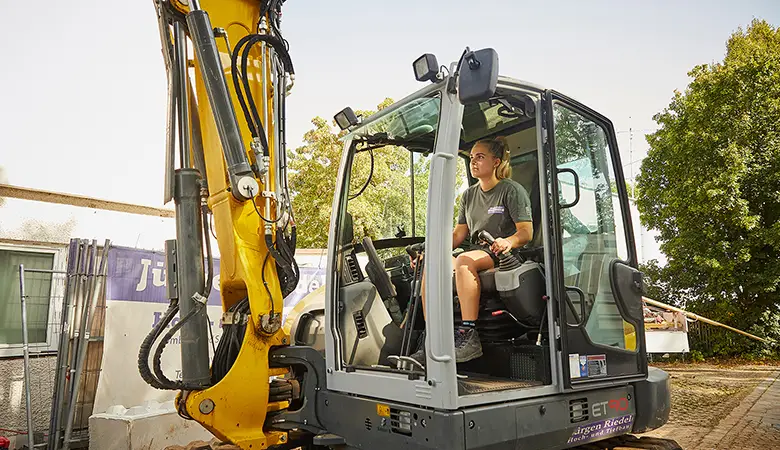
584,366
596,365
574,365
382,410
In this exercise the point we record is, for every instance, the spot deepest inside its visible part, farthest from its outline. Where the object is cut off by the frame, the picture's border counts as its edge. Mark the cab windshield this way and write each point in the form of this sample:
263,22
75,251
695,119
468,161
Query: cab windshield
388,177
416,120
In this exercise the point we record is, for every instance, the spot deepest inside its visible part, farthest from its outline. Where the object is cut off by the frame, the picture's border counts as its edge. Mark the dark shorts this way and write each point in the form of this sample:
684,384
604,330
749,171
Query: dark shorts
466,247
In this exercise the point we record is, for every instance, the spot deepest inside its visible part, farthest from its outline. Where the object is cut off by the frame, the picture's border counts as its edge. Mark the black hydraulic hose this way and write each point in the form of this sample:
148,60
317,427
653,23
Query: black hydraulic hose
286,62
210,265
158,379
253,117
265,283
287,249
284,262
226,345
146,347
157,365
234,71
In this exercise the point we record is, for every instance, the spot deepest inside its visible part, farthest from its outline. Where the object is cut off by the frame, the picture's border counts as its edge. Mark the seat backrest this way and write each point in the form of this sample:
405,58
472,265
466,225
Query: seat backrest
527,174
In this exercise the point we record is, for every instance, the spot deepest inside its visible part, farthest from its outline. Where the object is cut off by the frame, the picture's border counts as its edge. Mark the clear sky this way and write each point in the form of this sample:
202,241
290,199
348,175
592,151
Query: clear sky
82,84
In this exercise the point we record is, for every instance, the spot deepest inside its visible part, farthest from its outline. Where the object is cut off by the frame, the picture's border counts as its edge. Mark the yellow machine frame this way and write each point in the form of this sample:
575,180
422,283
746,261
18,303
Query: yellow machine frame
240,235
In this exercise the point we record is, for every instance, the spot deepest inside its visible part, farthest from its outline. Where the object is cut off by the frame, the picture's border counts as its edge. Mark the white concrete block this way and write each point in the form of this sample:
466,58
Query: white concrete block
149,426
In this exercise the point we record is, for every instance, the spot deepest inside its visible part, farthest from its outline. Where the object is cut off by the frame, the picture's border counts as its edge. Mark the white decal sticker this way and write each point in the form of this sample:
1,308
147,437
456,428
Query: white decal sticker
574,365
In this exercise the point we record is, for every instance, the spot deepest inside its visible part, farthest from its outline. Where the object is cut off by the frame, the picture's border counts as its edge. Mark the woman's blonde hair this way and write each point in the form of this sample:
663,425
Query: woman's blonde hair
499,148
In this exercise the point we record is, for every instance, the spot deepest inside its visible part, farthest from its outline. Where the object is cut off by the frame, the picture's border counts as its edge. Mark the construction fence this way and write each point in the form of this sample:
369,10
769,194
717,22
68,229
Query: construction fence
56,317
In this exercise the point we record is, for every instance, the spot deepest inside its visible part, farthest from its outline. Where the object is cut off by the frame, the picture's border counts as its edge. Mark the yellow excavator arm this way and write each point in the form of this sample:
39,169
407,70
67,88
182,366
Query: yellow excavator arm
229,71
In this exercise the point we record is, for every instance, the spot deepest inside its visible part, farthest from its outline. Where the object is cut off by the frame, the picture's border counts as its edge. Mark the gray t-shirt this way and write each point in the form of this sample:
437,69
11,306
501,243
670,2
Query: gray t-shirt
495,211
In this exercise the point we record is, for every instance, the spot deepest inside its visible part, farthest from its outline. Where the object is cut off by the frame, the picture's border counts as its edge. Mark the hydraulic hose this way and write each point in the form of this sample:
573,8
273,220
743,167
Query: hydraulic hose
248,105
146,347
157,364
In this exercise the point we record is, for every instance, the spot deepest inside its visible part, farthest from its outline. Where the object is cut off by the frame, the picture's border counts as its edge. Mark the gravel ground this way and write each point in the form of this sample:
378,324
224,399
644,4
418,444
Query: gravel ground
704,395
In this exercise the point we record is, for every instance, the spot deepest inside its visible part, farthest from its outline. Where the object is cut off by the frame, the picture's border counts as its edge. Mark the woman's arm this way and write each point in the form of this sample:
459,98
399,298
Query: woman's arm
459,234
523,235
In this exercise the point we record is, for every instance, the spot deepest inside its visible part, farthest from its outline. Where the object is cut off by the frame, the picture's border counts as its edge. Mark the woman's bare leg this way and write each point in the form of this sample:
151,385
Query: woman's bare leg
467,267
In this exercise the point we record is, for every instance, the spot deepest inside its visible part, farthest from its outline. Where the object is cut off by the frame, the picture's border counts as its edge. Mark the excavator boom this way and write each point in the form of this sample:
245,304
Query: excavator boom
226,102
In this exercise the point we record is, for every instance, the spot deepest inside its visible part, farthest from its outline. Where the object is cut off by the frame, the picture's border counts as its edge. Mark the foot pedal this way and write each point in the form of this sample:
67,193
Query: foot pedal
398,359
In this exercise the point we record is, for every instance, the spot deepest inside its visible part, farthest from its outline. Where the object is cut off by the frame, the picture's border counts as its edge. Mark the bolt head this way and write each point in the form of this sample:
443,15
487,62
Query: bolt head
206,406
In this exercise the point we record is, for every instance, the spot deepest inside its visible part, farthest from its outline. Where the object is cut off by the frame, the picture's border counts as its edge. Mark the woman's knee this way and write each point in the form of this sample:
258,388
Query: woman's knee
462,261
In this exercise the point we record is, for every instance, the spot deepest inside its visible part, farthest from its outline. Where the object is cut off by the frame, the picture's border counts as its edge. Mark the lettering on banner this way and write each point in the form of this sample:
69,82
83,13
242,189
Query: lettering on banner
159,276
145,263
601,429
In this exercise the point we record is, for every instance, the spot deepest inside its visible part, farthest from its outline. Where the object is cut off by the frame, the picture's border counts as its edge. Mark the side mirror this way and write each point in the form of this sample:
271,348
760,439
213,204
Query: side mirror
478,76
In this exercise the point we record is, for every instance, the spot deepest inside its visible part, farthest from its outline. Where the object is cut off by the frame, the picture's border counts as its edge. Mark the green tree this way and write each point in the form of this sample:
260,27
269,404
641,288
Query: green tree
313,169
379,209
711,185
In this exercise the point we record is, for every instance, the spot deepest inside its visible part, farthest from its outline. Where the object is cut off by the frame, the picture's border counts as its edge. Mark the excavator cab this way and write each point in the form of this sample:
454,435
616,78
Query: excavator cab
560,319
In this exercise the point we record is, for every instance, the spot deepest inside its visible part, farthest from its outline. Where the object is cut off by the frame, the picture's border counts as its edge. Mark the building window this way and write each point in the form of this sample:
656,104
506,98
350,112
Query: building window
41,289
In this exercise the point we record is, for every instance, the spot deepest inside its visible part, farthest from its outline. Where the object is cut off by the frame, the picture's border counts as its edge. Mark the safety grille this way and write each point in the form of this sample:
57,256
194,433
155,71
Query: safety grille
578,410
401,421
360,324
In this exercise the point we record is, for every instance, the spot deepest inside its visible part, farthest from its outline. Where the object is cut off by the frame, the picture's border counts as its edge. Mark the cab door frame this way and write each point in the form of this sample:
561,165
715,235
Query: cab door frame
629,365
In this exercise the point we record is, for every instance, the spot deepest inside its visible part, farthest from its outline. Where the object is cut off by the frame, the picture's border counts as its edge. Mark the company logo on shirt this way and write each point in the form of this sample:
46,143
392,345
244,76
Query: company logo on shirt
496,210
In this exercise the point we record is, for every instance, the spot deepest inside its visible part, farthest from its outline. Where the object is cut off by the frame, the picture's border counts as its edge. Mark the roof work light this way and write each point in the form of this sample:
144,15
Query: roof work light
346,118
426,68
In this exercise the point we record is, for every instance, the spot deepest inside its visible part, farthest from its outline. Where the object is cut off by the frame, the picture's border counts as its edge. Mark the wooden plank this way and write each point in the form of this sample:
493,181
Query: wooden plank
9,191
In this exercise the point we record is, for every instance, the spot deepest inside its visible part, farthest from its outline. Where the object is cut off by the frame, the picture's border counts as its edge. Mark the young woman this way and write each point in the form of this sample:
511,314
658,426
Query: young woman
501,207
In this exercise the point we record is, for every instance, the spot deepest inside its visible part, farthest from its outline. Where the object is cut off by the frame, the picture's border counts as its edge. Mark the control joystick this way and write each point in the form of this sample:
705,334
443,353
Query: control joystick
506,261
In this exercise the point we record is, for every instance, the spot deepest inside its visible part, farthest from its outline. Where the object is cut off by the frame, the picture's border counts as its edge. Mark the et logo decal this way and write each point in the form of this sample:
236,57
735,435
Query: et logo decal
602,408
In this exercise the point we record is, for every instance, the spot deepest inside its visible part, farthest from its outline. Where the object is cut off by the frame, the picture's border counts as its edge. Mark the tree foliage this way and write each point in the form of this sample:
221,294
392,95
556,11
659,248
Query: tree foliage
379,210
711,185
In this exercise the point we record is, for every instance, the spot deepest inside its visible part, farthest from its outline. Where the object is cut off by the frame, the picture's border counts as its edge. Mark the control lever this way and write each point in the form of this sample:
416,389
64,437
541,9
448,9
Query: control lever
413,249
485,236
506,261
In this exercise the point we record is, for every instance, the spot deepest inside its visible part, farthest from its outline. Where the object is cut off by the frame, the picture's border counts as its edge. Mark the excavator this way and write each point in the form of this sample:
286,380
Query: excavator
564,362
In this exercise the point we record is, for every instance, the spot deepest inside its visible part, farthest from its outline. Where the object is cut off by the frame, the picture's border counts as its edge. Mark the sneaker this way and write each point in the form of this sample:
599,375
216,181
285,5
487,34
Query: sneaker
467,345
419,355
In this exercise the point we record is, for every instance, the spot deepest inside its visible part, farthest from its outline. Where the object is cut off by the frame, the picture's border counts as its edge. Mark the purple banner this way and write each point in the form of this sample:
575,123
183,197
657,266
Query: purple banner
140,276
